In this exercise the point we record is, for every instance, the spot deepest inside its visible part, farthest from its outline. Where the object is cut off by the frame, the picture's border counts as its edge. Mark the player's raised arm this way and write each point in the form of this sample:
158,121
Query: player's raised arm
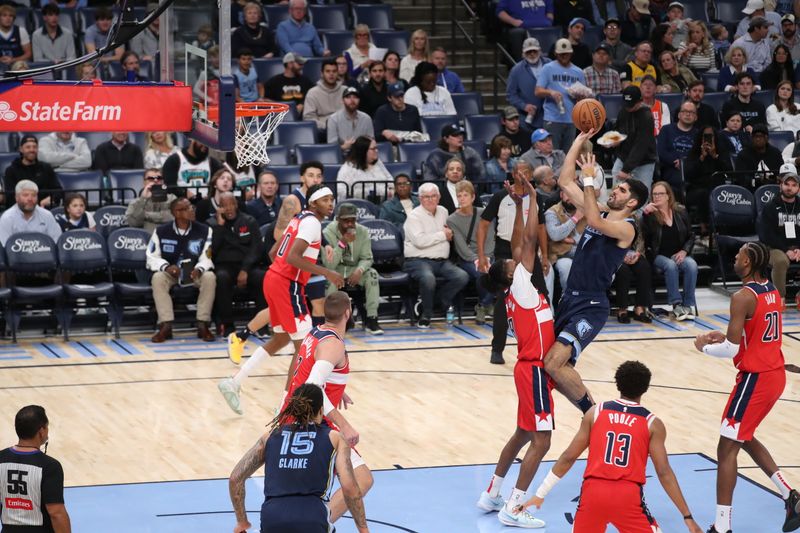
566,178
525,235
578,445
658,454
347,479
621,230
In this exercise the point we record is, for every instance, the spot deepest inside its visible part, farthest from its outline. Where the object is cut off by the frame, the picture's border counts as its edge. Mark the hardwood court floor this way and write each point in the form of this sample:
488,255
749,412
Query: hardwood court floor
131,411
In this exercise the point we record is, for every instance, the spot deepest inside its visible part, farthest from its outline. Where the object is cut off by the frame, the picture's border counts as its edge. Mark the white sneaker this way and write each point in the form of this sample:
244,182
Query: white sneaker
489,504
680,312
689,312
522,519
230,391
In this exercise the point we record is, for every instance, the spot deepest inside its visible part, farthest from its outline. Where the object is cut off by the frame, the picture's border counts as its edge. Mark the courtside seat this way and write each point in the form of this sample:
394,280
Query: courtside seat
5,294
387,253
278,155
781,139
267,67
733,216
87,183
292,133
764,195
337,41
288,177
547,37
109,218
275,14
613,105
127,258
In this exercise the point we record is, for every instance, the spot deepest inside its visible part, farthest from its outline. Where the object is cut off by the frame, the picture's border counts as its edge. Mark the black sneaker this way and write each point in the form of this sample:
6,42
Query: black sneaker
714,530
792,509
424,323
372,326
497,358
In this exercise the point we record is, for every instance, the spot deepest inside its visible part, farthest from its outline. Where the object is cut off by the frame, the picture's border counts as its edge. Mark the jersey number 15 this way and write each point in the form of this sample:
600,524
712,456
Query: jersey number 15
302,442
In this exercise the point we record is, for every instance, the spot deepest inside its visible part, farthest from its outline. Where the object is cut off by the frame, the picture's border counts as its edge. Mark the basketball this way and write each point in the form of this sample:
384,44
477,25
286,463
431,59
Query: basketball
587,114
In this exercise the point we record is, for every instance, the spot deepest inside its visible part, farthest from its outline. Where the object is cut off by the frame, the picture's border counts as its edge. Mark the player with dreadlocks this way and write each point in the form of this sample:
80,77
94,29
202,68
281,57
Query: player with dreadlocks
753,341
298,452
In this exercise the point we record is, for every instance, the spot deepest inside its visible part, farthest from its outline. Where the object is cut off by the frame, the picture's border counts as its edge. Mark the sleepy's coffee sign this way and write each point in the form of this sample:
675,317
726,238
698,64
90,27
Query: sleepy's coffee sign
94,106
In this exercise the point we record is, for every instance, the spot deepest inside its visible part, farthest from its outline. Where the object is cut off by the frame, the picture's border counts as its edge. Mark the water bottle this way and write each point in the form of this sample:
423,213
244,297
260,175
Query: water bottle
561,108
450,315
529,119
105,184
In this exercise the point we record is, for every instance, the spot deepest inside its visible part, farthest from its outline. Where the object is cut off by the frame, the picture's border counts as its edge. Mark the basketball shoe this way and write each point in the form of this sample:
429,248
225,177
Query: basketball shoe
230,391
235,348
714,530
522,519
792,509
489,504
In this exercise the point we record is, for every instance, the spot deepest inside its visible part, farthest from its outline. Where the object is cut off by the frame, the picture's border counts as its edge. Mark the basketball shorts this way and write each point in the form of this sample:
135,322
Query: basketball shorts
619,503
751,400
288,311
295,514
535,397
579,318
315,288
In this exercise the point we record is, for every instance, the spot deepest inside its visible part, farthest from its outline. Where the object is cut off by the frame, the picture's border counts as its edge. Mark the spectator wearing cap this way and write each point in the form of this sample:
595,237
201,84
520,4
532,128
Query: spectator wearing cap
567,11
619,50
755,43
674,144
291,85
452,145
600,77
253,35
637,24
752,111
678,23
348,123
395,121
789,37
429,98
51,42
427,250
352,258
373,92
551,86
520,16
581,54
779,228
28,167
640,66
635,156
514,131
542,152
759,157
248,88
521,86
296,35
446,78
756,9
325,98
65,151
145,43
25,215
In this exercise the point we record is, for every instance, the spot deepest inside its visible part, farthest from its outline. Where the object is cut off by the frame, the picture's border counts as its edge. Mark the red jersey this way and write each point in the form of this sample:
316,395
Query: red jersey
530,318
760,349
337,381
306,226
619,443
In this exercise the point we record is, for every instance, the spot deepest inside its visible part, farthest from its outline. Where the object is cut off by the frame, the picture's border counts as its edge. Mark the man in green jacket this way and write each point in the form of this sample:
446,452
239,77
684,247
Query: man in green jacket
352,258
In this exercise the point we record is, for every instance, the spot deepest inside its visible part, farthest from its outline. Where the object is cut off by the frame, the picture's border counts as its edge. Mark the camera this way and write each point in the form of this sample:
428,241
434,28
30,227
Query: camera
158,193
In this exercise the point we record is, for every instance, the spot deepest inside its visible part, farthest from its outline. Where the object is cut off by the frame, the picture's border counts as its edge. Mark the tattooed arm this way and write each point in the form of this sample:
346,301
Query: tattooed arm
347,479
246,467
290,206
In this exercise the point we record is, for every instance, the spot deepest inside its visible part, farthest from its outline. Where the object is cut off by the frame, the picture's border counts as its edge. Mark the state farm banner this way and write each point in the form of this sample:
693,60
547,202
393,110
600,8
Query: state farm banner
94,106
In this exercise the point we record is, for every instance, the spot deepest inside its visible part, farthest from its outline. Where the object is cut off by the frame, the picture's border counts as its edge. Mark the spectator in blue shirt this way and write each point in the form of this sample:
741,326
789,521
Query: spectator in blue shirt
267,204
446,78
298,36
521,87
248,88
674,143
522,15
552,85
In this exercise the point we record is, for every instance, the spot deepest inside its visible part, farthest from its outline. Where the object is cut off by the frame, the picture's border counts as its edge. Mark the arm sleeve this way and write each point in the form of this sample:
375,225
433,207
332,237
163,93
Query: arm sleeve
48,153
83,156
154,261
282,37
557,231
773,118
319,375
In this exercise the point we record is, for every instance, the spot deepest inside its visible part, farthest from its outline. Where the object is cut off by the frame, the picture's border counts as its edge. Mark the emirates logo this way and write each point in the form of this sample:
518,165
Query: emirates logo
6,113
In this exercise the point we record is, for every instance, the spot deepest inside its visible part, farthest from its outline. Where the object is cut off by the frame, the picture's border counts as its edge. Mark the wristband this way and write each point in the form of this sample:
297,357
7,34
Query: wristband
588,182
549,482
342,245
573,219
688,517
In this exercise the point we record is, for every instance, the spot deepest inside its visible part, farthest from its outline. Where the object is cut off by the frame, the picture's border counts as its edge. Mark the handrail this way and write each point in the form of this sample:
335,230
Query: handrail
471,39
498,50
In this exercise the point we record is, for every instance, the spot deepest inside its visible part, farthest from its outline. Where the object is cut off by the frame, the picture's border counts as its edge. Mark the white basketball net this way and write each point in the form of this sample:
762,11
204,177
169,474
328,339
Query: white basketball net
252,136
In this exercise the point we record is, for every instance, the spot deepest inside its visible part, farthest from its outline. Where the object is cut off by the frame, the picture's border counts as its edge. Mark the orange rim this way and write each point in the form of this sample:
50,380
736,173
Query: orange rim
250,109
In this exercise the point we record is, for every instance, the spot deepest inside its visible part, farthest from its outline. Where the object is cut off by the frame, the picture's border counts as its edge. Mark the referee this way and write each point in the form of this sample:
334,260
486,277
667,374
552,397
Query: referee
32,483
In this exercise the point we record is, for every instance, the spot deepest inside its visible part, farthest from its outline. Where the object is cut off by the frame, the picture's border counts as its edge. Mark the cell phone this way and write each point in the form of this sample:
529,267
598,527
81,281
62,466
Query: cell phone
158,193
708,138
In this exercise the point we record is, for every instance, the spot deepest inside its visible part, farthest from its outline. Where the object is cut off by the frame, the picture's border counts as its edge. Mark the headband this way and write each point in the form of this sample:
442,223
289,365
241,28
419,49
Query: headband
325,191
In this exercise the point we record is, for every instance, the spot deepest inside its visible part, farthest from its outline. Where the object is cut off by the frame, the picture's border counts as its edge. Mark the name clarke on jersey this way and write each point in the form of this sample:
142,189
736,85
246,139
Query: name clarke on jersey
295,463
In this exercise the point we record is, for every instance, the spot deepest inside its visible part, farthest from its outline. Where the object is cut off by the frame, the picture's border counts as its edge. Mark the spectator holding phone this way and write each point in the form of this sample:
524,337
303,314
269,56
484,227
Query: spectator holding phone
151,209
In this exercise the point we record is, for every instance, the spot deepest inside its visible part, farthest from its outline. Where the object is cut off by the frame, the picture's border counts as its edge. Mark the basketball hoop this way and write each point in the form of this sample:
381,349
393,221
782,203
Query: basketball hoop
255,122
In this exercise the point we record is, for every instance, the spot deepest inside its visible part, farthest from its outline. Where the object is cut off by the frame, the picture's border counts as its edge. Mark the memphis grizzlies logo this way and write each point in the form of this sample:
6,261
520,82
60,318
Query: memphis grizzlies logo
583,328
196,246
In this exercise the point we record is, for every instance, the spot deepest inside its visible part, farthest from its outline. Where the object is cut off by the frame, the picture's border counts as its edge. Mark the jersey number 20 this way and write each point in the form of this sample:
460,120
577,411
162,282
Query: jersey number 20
618,447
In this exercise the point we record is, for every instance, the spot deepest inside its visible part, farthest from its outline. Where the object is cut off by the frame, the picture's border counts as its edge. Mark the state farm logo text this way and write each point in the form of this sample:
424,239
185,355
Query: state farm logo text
36,112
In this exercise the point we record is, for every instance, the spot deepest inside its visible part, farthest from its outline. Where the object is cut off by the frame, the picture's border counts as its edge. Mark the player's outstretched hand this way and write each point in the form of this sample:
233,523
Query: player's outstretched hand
350,434
529,189
511,194
533,501
584,136
345,401
712,337
587,162
242,527
692,526
335,278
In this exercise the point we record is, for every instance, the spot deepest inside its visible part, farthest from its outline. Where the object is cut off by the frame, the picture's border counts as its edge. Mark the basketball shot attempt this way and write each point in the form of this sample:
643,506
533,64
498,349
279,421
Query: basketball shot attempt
284,289
530,320
620,435
753,341
584,307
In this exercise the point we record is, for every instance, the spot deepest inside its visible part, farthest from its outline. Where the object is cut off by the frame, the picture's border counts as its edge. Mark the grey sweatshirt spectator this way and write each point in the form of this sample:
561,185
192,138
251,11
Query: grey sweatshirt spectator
146,212
325,98
65,151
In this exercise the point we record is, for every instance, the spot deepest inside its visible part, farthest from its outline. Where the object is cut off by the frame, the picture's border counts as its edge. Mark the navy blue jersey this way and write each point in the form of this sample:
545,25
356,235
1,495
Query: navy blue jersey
596,261
299,462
